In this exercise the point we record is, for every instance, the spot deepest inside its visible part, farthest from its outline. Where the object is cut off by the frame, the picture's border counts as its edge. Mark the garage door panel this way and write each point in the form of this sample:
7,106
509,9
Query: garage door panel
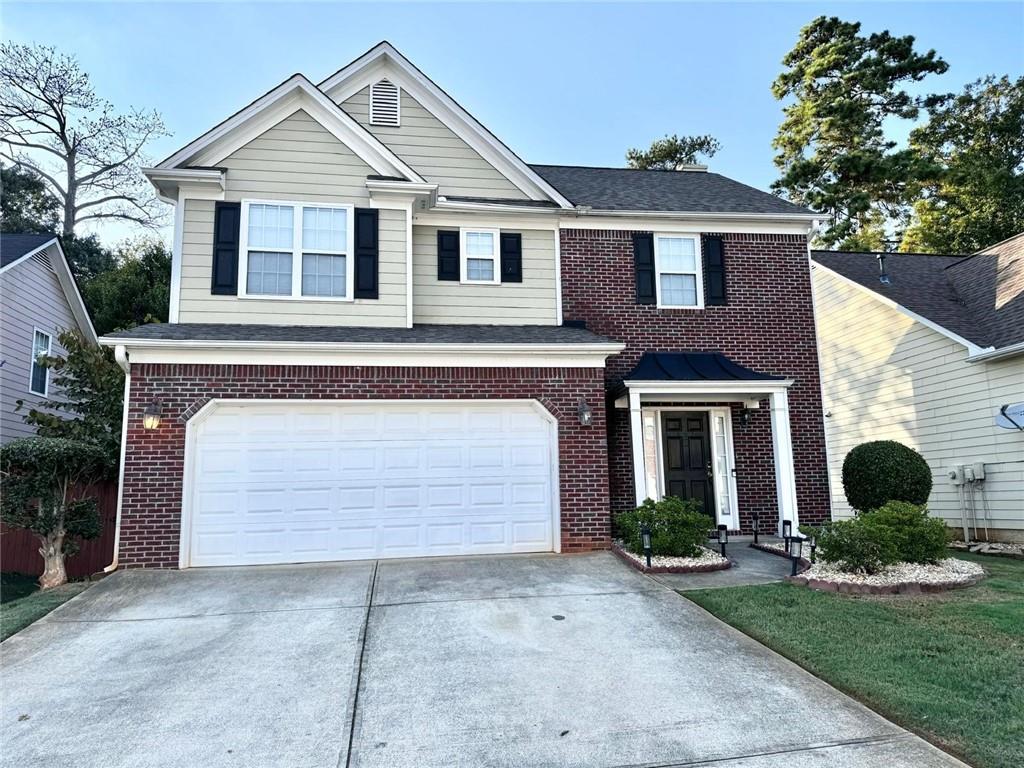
313,482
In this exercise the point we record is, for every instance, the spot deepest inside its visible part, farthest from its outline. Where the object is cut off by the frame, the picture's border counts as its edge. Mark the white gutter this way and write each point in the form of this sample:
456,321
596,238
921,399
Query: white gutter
340,346
724,216
121,356
997,354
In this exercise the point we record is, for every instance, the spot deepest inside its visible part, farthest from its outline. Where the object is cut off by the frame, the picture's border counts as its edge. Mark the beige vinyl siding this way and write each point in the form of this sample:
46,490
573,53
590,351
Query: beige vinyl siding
296,160
531,302
887,376
434,151
31,297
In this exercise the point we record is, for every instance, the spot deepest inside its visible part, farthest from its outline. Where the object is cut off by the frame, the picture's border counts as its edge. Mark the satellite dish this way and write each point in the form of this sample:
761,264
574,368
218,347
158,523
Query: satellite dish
1011,416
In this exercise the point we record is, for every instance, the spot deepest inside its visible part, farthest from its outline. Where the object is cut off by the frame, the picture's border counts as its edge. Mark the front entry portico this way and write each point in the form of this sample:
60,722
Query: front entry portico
670,397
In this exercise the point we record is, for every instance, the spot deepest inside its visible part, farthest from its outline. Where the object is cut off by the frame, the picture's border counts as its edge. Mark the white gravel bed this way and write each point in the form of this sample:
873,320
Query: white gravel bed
948,571
706,557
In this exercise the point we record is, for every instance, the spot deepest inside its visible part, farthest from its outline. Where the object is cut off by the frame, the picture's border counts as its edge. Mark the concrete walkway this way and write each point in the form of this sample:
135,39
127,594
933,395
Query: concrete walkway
491,661
749,566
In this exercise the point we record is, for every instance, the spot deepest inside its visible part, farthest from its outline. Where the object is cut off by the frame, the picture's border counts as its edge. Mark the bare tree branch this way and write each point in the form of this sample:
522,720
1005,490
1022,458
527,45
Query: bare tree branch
48,108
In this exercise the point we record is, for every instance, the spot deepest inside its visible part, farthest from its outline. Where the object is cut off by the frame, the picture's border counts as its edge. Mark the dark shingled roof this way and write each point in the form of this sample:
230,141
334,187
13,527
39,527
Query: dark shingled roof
980,297
13,247
502,201
628,189
693,366
419,334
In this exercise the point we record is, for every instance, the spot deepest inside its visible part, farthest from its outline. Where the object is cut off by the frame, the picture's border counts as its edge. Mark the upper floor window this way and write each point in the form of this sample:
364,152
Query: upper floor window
677,261
296,250
479,249
39,379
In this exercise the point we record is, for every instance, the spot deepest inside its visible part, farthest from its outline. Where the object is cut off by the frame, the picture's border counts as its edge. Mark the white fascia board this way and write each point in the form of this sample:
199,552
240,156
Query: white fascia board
973,350
328,353
997,353
169,181
385,59
707,387
295,93
456,206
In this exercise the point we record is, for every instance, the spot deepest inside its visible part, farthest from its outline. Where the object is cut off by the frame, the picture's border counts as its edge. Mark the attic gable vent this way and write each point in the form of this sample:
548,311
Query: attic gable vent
384,103
43,259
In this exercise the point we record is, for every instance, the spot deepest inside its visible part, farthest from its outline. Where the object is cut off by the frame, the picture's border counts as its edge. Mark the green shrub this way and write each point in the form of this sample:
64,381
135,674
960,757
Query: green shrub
860,545
917,537
878,472
678,527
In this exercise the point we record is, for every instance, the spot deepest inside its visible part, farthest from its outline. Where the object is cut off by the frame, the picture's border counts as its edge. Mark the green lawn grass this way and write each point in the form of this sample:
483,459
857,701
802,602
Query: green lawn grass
21,601
948,666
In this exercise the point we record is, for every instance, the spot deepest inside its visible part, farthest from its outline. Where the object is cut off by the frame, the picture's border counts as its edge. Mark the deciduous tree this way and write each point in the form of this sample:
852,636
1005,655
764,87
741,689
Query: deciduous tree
87,153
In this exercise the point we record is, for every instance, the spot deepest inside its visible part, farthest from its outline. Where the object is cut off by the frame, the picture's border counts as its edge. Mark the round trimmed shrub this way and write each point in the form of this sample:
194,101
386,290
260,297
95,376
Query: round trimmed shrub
881,471
678,527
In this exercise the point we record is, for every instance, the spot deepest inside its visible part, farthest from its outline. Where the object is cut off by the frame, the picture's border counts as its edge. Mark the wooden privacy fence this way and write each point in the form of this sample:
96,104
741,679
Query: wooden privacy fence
19,550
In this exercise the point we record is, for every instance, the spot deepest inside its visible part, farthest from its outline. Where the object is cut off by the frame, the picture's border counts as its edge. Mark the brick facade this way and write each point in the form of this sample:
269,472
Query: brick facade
154,462
767,325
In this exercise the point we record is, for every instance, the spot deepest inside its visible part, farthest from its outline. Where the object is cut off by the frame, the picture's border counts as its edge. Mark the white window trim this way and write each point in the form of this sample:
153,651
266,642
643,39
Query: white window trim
32,362
464,255
699,274
297,251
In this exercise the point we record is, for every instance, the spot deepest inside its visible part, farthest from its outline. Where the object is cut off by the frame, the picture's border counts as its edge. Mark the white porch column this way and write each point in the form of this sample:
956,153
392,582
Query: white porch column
636,431
782,448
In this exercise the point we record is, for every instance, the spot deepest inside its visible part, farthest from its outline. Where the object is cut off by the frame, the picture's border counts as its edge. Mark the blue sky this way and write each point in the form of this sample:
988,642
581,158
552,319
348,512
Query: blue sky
564,83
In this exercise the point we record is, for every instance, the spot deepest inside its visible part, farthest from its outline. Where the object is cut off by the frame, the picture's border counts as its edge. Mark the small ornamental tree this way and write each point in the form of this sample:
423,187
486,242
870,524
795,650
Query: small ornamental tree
37,478
881,471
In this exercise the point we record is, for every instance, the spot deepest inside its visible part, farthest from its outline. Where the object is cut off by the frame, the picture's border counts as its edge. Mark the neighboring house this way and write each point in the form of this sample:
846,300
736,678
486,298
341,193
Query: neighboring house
929,357
389,336
38,300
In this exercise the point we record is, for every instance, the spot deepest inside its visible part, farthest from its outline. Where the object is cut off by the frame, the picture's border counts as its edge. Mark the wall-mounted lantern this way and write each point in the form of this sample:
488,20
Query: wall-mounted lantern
746,414
586,416
151,415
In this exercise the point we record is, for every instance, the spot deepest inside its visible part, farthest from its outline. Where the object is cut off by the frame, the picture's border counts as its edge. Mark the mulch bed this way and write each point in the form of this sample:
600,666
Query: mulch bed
711,561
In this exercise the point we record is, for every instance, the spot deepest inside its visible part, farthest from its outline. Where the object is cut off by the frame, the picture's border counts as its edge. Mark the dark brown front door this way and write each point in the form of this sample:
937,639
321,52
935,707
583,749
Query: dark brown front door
687,450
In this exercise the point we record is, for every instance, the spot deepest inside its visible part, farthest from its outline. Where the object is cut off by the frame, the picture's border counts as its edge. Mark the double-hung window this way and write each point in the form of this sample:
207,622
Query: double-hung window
39,379
479,249
677,260
297,250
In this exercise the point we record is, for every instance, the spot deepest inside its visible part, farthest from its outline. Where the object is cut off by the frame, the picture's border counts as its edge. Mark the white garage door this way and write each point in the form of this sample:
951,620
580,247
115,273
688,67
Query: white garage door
301,482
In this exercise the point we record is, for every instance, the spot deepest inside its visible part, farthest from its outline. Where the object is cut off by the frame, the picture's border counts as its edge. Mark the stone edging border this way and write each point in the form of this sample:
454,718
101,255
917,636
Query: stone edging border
670,568
902,588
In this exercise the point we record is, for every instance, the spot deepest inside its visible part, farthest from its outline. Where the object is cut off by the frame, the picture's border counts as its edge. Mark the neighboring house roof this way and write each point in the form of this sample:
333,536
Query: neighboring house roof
693,366
629,189
418,334
15,249
976,300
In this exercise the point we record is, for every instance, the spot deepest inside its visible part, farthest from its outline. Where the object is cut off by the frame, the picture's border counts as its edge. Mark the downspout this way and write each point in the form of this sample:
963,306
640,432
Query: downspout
121,356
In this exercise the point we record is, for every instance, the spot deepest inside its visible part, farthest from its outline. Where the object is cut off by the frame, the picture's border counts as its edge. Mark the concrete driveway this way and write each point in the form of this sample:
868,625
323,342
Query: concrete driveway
519,661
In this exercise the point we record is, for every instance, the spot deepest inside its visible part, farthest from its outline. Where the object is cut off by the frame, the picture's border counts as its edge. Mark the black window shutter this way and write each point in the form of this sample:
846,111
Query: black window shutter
227,219
366,255
447,255
714,270
511,257
643,265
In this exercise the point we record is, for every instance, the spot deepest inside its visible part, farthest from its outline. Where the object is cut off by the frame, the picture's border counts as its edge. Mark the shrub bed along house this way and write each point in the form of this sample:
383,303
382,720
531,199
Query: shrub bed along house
678,532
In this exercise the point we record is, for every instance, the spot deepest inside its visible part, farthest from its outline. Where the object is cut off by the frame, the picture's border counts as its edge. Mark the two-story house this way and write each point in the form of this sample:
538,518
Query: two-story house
390,336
